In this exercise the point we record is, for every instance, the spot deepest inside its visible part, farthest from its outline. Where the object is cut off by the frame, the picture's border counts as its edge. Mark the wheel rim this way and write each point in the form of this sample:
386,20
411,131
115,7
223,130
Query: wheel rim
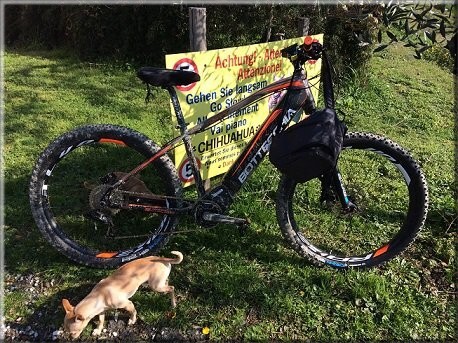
378,185
72,179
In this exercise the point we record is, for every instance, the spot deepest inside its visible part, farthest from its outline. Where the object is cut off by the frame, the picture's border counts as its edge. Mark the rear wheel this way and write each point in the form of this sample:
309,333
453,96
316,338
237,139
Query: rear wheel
391,198
69,180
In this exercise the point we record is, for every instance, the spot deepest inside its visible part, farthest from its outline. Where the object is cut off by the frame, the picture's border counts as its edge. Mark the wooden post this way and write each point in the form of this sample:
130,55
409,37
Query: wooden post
303,26
198,28
269,26
198,41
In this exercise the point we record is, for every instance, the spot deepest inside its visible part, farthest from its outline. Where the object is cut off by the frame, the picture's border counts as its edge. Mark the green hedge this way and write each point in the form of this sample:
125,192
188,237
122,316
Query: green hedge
143,34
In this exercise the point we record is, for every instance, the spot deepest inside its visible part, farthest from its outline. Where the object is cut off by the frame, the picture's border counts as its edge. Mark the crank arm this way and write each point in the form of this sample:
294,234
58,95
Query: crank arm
220,218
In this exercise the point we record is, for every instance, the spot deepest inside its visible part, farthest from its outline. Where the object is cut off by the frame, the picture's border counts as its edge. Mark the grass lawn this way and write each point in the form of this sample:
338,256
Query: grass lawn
253,286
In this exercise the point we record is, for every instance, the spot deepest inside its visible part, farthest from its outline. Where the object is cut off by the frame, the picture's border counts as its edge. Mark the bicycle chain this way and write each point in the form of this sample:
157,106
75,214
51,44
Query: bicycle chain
149,196
156,197
192,205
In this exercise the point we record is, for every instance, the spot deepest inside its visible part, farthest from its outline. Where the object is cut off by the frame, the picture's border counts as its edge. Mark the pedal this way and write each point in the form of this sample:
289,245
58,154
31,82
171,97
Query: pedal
220,218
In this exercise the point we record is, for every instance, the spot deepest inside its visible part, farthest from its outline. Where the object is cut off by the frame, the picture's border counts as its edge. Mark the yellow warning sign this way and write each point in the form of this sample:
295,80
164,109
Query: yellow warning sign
228,76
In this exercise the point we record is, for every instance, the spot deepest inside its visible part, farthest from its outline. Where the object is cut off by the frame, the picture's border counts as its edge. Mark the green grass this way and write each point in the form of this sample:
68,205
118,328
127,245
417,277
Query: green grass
252,286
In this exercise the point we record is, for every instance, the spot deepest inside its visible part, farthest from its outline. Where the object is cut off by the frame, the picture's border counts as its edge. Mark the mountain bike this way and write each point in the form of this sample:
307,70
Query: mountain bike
104,194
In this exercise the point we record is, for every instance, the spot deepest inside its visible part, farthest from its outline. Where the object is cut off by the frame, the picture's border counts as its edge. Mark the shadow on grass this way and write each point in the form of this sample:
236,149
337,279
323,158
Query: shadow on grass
45,323
49,316
26,247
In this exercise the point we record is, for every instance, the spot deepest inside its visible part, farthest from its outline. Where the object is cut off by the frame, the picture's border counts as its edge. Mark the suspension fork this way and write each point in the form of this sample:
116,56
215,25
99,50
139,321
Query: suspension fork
332,181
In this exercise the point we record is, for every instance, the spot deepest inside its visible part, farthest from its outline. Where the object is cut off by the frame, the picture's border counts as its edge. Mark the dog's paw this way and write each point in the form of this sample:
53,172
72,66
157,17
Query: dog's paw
96,332
132,321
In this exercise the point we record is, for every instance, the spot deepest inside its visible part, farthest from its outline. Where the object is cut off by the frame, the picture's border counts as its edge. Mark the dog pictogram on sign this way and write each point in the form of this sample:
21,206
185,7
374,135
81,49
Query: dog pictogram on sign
186,64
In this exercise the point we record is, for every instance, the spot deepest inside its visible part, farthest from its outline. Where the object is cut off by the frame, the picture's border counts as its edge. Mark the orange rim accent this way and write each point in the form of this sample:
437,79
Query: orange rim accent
106,254
114,141
381,251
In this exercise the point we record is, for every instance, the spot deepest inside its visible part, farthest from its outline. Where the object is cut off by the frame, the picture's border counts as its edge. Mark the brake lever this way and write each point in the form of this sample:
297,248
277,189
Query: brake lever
290,51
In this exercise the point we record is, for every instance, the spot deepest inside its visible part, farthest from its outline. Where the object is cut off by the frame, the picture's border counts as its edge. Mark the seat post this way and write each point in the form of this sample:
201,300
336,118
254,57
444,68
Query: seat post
186,140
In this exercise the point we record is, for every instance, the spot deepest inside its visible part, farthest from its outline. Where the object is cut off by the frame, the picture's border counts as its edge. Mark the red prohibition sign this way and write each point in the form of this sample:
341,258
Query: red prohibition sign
186,64
185,170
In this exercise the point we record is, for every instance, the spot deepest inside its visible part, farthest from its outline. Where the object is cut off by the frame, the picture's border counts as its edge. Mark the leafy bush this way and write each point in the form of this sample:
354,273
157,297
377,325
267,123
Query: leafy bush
344,42
144,34
422,26
440,55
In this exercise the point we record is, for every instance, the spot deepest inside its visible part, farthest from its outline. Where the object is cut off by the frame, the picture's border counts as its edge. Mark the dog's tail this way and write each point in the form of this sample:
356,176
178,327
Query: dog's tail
178,259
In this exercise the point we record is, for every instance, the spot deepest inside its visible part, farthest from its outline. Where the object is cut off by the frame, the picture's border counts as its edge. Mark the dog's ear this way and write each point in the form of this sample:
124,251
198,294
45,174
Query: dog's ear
67,306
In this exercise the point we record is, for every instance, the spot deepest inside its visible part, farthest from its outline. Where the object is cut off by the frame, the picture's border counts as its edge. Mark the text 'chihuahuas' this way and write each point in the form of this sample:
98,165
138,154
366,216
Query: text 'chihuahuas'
114,292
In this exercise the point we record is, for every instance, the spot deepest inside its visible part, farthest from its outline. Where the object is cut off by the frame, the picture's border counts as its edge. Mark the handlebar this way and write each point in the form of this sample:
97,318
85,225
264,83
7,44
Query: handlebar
299,54
311,49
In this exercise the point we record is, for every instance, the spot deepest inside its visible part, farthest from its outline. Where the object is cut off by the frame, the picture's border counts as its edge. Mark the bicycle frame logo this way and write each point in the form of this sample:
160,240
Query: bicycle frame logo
264,149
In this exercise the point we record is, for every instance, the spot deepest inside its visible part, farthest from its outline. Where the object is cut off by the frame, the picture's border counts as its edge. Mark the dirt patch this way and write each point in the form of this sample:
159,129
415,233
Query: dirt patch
115,331
39,326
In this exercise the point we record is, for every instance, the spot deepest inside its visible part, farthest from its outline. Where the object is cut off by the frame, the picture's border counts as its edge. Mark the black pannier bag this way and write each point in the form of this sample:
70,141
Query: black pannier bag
309,148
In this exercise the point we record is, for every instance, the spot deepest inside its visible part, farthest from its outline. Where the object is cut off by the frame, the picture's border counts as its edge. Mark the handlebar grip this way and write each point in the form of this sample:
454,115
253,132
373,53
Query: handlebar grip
312,48
289,51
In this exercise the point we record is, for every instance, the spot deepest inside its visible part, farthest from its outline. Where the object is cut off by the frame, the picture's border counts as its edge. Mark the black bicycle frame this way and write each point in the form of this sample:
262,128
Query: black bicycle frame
298,97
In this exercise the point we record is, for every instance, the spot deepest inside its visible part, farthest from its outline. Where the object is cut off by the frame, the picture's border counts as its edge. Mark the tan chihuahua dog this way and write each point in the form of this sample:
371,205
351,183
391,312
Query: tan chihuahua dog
114,292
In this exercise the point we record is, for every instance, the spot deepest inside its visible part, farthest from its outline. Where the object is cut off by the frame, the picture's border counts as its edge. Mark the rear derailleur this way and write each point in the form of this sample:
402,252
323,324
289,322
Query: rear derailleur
104,201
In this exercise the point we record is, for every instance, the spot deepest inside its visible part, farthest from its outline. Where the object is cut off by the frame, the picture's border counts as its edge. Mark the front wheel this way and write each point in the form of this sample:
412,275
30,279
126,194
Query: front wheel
70,179
390,195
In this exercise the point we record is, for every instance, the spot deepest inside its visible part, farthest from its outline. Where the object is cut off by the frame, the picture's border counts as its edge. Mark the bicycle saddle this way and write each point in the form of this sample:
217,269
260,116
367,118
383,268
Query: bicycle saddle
166,77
